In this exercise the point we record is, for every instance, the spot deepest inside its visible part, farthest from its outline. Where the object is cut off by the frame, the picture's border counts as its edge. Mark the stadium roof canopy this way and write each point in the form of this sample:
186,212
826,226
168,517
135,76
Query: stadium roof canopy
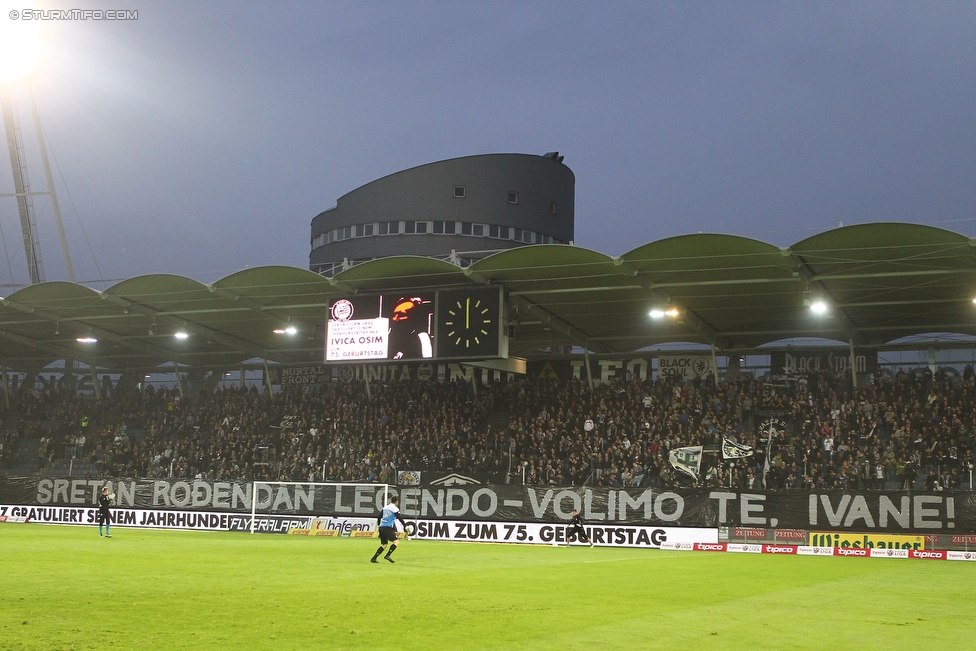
881,282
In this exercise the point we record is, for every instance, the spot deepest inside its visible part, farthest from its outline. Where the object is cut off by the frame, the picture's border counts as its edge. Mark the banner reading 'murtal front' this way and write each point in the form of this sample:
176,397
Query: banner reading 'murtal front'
865,511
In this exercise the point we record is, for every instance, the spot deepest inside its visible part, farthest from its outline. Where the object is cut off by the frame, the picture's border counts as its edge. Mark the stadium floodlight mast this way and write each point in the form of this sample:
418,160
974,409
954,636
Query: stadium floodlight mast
370,487
19,49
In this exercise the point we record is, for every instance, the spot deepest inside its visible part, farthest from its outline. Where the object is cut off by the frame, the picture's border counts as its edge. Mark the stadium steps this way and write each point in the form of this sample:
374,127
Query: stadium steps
24,459
65,468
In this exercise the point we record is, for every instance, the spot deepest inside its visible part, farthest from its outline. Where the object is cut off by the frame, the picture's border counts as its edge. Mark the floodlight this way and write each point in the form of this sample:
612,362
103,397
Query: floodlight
658,313
818,307
86,340
180,335
18,49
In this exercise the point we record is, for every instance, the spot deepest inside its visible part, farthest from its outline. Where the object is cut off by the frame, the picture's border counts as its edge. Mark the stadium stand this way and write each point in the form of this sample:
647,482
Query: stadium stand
912,430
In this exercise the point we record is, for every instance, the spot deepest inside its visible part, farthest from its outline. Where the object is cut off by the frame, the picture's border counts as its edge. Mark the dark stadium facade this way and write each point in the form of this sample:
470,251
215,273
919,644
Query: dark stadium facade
461,209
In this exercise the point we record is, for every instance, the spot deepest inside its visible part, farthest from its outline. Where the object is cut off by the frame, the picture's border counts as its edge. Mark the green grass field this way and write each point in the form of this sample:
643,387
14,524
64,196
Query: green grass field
64,587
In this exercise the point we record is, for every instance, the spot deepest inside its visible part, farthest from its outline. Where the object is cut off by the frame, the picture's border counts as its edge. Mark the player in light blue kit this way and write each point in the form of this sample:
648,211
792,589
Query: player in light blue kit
387,529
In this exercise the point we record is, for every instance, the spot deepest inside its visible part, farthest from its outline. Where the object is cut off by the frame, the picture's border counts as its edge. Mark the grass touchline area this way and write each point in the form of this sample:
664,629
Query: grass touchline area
63,587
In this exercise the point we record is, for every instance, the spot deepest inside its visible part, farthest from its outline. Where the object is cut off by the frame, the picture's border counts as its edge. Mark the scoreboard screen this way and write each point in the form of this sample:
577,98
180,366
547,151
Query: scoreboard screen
444,324
386,326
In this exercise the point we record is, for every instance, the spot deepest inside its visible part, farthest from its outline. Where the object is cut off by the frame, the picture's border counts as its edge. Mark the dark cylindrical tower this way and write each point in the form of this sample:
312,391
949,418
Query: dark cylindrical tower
469,207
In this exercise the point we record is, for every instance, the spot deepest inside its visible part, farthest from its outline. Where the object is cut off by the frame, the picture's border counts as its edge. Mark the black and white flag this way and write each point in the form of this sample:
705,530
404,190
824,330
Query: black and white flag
769,429
733,450
687,460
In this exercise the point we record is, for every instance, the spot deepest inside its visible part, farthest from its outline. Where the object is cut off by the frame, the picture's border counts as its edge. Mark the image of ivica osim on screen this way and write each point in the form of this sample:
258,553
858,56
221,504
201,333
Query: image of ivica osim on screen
412,328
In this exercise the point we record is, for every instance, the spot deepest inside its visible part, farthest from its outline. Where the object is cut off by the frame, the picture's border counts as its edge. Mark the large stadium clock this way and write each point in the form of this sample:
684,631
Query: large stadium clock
468,323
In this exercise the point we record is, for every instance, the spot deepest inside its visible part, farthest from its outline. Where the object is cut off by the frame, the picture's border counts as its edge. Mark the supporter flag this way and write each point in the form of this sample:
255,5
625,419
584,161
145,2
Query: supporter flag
408,477
733,450
687,460
769,428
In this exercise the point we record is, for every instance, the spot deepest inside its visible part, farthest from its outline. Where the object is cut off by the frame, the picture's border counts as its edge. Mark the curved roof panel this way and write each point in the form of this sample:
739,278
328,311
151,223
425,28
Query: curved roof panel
883,282
399,272
892,279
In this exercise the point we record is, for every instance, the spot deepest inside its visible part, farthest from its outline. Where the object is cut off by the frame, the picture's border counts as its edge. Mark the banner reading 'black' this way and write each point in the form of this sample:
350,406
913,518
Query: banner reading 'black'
806,360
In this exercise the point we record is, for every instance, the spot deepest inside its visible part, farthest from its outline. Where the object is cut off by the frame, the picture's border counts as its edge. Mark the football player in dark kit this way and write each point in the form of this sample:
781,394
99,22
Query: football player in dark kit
576,530
387,529
103,514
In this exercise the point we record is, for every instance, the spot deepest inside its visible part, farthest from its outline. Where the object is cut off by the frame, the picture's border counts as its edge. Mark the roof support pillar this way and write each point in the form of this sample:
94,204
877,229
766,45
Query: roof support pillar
715,365
68,376
369,392
586,360
94,376
853,364
269,389
30,380
6,388
179,382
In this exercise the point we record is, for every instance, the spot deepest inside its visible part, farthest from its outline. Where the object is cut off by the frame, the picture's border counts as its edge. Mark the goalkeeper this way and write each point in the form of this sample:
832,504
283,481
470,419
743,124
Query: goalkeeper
104,515
576,530
387,529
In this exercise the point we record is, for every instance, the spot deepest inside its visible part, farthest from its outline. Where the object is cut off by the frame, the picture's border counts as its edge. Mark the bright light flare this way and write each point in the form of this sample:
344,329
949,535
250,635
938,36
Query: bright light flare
86,340
658,313
180,335
18,47
290,330
818,308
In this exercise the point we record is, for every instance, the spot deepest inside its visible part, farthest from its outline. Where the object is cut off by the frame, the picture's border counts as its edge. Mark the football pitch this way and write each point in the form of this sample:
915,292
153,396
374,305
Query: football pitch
63,587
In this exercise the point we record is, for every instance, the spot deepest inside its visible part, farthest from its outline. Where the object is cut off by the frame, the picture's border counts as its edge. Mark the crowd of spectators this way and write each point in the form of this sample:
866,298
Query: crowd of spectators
8,445
910,429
